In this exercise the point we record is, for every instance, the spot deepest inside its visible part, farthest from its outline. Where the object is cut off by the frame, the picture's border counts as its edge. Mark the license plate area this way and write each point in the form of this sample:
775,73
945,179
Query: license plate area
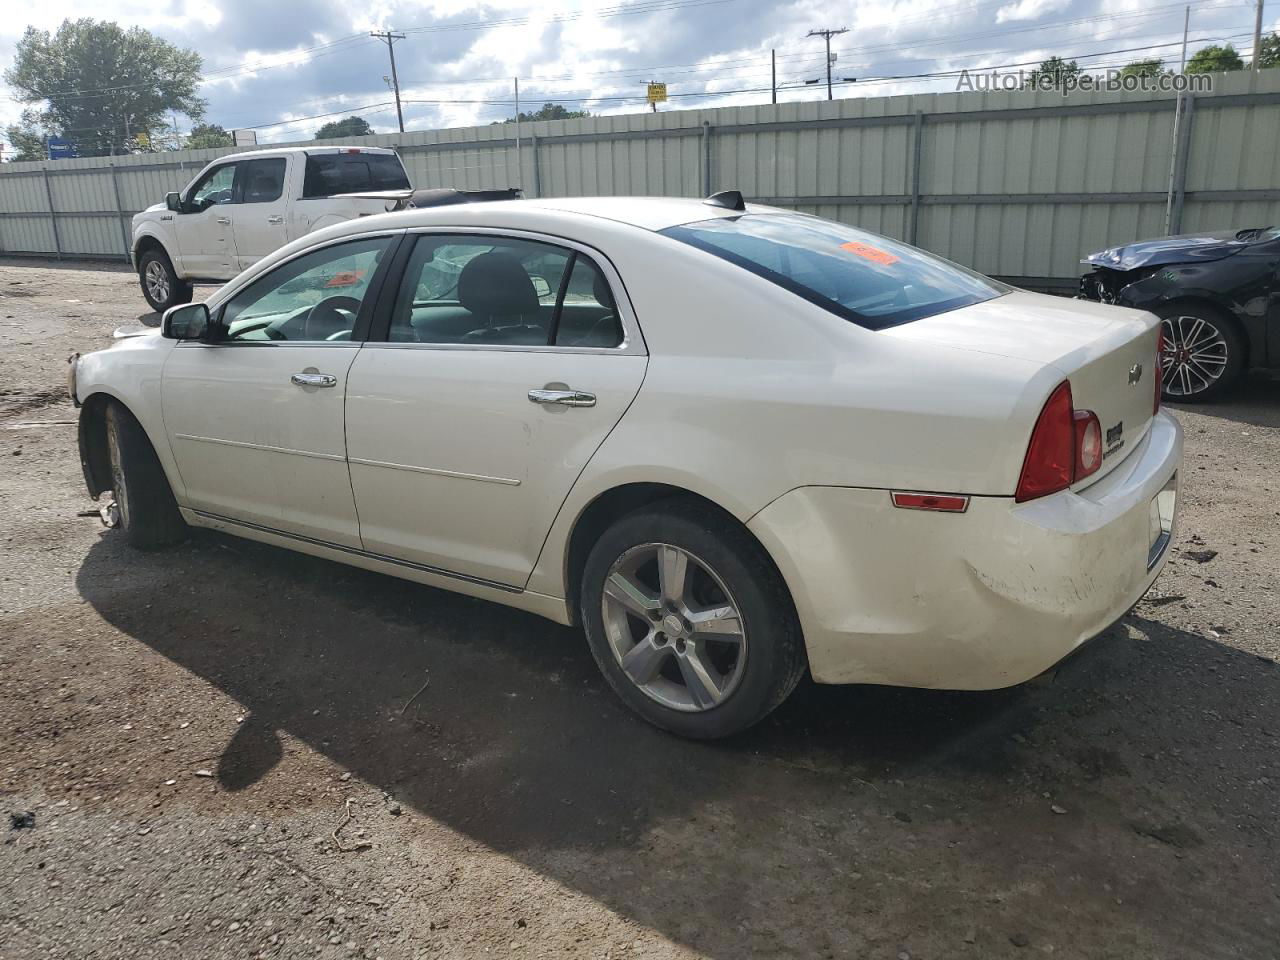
1160,521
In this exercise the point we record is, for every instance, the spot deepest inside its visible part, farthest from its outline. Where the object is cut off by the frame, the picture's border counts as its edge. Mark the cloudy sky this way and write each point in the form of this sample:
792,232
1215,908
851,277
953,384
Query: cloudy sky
274,65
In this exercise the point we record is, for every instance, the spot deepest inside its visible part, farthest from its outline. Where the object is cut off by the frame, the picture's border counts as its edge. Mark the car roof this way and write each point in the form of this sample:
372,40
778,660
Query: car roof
285,151
648,213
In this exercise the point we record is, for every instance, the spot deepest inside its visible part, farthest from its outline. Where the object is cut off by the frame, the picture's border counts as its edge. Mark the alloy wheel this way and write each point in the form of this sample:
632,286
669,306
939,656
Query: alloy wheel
673,627
115,512
157,281
1195,355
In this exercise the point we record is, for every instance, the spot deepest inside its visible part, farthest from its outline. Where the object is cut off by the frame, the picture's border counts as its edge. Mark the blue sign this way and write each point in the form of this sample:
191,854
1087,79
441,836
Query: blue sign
61,148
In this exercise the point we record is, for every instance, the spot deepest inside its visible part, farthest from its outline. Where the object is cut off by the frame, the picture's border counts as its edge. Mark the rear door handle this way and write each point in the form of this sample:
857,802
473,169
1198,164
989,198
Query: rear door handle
566,398
275,219
224,220
315,379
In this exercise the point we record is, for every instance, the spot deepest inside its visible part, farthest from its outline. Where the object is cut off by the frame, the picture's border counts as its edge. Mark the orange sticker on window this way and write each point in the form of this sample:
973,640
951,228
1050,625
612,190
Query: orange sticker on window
345,278
868,252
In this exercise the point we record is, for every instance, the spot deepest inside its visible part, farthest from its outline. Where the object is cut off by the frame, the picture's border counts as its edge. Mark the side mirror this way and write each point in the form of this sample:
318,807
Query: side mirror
541,287
187,321
173,201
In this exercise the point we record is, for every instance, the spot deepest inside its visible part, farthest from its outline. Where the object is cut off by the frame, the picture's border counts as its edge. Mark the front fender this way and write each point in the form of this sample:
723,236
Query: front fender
153,231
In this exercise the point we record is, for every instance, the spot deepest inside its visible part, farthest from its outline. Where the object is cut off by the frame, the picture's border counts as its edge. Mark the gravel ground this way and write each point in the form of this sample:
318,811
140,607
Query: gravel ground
216,751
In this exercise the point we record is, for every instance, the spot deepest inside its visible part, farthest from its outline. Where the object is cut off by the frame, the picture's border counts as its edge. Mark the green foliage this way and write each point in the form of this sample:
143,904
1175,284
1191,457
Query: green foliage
103,86
206,135
346,127
25,139
1153,67
1269,51
550,111
1215,59
1053,71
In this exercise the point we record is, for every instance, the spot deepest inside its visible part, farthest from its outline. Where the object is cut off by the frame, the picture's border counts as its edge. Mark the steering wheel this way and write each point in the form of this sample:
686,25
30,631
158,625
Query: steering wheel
330,316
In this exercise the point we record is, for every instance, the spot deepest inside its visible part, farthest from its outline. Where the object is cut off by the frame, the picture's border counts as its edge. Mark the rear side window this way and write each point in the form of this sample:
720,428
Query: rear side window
331,173
263,180
865,278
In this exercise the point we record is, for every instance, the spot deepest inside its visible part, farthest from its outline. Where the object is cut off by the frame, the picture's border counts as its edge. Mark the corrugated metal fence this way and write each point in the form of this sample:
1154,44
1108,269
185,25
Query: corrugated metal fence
1013,184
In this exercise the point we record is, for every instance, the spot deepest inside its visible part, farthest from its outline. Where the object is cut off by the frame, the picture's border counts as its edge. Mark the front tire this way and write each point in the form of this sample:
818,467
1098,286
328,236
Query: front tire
689,620
1203,354
146,509
160,282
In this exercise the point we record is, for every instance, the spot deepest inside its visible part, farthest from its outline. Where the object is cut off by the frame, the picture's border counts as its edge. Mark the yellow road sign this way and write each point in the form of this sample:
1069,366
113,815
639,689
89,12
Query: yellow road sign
657,93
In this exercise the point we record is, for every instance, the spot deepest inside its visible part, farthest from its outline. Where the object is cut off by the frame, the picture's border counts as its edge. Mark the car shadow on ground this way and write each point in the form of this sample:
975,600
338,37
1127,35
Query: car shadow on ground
1256,402
517,742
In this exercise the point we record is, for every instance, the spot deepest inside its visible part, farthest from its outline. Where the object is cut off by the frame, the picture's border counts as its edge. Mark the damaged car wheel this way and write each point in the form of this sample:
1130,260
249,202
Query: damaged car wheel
1203,355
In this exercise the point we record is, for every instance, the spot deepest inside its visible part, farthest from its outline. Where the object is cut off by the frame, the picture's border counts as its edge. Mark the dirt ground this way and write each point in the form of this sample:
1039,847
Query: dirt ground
222,754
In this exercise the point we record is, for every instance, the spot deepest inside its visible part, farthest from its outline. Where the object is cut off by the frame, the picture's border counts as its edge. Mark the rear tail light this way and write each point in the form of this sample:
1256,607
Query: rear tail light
1159,367
1088,443
1066,446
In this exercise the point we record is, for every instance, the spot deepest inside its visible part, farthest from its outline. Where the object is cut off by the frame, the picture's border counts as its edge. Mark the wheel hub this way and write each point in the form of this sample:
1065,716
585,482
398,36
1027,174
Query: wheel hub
673,627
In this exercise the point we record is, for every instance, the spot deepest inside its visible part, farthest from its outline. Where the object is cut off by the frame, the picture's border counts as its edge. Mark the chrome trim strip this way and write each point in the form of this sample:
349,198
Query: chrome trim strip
355,551
1158,548
260,446
434,471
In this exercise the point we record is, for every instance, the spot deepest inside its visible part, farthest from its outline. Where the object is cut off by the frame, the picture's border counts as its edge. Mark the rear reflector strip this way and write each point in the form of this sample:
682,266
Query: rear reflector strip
941,502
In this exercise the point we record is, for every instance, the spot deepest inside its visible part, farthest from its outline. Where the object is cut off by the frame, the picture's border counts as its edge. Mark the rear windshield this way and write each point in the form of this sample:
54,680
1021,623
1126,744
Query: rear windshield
870,280
330,173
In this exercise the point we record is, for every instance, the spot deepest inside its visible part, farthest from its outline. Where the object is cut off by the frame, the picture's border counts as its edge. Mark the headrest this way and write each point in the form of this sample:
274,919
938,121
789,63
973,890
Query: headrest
600,287
495,285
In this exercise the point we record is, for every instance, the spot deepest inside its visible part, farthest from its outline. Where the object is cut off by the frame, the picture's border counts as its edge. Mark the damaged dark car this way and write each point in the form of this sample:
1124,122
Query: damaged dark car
1217,293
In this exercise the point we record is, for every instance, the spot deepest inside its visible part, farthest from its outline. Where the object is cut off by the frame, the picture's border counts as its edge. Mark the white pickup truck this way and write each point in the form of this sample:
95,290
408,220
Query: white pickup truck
243,206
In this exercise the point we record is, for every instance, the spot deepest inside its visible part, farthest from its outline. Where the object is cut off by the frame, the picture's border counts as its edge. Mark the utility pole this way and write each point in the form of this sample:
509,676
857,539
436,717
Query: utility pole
1177,122
1257,39
827,35
773,74
389,38
519,169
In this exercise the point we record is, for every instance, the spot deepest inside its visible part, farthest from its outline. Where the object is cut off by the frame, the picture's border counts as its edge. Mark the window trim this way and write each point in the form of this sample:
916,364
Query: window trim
368,306
632,338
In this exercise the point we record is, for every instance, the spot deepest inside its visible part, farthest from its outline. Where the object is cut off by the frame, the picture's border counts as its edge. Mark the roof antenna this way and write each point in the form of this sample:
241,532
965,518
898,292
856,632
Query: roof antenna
729,199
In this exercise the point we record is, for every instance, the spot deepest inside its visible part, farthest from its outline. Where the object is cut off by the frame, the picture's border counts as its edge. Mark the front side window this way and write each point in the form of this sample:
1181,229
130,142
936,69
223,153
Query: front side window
503,291
216,186
316,297
865,278
328,174
262,180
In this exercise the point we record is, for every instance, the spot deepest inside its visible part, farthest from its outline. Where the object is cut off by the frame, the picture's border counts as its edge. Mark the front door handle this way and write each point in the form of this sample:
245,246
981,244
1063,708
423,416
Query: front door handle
315,379
566,398
276,219
224,220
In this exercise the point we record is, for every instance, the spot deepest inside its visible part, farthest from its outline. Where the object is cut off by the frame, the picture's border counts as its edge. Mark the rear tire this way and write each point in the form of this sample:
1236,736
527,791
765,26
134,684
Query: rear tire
684,670
1204,353
147,511
160,282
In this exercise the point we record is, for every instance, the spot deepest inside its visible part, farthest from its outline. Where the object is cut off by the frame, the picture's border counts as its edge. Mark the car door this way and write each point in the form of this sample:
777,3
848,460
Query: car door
255,419
497,372
259,217
204,227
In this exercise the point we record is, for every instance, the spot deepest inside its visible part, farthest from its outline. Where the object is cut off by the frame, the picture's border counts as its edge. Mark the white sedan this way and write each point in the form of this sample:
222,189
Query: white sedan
733,443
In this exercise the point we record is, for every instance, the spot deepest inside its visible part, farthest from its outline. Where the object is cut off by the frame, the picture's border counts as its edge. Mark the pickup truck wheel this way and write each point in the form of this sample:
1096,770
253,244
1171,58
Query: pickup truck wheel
689,621
145,507
160,284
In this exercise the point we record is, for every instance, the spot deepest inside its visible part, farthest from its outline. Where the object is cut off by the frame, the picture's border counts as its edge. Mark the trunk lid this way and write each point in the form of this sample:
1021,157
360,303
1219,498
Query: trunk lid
1108,353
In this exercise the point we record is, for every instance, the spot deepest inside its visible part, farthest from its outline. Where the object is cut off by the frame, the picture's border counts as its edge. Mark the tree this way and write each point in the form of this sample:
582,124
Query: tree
346,127
25,139
549,111
1052,73
101,85
206,135
1215,59
1269,51
1154,67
